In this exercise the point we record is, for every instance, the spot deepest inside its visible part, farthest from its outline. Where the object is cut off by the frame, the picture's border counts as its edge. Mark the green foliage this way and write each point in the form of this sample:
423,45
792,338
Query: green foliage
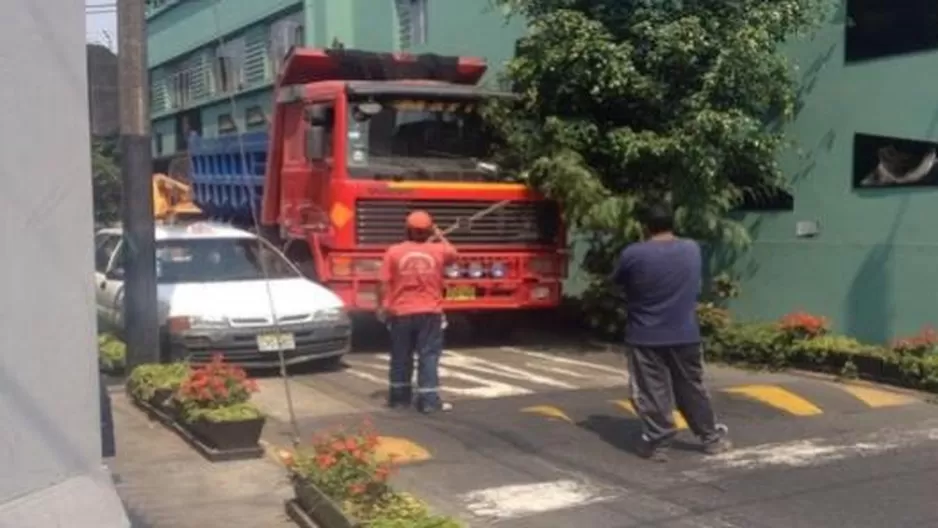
237,412
112,352
626,103
145,380
106,180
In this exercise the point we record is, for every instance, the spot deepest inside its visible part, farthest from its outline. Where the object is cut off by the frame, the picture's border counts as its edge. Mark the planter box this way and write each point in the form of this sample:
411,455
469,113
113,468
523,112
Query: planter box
228,435
313,509
169,418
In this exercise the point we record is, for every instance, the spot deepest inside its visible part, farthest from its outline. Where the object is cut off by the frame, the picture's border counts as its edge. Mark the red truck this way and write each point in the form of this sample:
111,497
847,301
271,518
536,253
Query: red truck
359,139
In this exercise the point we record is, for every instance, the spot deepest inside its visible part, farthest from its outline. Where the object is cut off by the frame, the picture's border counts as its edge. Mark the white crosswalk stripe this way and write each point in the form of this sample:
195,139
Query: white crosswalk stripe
497,373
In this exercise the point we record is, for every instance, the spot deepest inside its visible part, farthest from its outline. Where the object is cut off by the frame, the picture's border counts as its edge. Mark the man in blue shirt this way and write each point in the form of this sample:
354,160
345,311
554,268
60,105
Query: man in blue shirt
661,278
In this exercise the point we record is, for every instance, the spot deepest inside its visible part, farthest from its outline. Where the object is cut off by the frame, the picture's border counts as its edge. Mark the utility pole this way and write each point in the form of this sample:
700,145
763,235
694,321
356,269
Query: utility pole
140,305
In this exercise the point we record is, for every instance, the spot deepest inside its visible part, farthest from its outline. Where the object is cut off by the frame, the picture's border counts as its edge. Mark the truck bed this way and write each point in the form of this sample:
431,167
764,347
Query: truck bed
227,175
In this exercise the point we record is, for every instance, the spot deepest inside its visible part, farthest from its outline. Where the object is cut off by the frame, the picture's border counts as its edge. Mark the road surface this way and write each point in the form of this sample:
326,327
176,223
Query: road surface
544,438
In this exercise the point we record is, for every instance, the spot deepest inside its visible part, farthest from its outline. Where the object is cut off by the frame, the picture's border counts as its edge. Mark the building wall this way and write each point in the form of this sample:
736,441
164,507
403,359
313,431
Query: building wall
102,91
52,473
872,268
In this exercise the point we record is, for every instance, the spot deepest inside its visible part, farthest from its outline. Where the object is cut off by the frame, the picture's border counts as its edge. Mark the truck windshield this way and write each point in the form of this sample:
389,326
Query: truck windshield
218,260
424,138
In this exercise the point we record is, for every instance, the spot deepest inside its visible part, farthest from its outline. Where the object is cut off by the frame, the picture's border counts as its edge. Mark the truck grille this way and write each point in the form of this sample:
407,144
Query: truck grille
517,223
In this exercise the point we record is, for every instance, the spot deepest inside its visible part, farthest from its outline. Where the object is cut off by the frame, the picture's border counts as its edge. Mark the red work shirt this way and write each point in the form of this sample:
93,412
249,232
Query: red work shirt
413,276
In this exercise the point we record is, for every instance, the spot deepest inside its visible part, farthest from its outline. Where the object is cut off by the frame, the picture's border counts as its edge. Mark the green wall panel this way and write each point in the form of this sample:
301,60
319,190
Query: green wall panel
873,266
192,24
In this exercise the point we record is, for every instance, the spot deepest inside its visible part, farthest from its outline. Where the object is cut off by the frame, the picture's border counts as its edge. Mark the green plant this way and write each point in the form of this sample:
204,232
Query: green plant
145,380
924,343
712,319
106,180
802,325
112,352
218,392
724,287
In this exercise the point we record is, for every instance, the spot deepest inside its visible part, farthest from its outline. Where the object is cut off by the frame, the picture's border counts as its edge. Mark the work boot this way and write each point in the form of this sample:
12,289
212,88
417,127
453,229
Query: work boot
444,406
720,443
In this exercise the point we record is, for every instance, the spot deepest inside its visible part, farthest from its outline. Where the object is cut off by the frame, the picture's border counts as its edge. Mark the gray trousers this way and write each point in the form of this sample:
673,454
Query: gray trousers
659,377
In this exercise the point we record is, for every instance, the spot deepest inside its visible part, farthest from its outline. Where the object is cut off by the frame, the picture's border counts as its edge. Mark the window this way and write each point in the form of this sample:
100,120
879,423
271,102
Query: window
284,35
226,124
775,199
229,66
255,117
881,161
158,144
179,83
219,260
883,28
104,249
413,21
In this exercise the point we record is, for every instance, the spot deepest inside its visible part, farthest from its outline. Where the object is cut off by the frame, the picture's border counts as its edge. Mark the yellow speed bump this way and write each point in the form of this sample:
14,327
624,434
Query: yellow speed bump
626,405
400,451
777,397
549,412
877,398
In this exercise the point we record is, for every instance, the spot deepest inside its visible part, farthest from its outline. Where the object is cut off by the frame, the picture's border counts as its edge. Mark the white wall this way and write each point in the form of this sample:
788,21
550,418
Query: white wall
50,445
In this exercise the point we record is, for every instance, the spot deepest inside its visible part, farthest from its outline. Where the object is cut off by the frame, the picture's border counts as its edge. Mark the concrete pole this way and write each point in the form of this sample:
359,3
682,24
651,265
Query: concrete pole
140,309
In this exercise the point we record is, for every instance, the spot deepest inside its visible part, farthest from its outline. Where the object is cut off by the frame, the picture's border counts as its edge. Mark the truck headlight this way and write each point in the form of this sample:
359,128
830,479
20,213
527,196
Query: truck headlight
498,270
452,271
475,270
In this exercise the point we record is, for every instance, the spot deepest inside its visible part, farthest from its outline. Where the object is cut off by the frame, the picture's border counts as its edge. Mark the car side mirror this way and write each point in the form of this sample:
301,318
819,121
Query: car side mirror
116,274
316,142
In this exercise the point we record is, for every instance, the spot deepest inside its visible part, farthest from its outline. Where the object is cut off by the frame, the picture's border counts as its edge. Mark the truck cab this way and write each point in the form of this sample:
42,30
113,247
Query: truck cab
359,139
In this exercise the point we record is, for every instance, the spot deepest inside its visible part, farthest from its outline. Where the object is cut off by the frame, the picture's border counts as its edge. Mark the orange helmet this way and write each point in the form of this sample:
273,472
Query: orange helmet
419,220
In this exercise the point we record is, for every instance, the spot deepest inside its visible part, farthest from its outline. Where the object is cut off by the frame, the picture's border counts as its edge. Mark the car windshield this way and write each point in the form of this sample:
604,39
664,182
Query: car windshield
436,139
219,260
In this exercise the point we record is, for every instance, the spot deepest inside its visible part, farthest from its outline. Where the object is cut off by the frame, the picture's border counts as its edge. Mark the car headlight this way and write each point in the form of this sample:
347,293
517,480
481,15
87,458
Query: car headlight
330,315
198,322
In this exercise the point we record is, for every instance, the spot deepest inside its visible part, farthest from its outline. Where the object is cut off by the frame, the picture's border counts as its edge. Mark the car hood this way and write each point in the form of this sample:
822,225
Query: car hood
247,299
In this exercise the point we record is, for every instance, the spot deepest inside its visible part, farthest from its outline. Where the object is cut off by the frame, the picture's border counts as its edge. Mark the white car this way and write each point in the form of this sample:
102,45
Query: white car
214,297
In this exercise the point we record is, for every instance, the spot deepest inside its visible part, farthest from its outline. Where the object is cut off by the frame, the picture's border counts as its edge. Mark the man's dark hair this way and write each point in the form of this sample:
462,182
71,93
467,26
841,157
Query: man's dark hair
658,218
419,235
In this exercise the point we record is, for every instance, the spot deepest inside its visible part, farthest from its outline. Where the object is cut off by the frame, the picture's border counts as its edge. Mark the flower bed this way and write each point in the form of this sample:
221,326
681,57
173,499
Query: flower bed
340,483
208,406
802,340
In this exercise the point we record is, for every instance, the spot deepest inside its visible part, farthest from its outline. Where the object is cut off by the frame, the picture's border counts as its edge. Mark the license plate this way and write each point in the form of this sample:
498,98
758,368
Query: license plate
460,293
275,342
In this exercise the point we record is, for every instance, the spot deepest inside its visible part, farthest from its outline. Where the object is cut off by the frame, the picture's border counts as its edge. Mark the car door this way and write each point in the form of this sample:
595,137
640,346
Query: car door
112,288
105,247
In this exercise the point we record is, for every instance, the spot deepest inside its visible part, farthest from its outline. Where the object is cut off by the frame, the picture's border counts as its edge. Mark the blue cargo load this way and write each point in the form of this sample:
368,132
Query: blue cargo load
227,175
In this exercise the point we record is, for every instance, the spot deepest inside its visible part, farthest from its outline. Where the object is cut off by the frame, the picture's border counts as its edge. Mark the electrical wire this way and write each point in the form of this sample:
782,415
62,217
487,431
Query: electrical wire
284,374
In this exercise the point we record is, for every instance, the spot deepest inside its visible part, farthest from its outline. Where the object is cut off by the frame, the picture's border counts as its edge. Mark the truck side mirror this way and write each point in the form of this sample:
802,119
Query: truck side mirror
116,273
316,142
317,115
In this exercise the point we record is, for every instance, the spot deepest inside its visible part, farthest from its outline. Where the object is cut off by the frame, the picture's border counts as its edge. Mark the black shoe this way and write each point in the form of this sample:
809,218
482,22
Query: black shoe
398,404
650,451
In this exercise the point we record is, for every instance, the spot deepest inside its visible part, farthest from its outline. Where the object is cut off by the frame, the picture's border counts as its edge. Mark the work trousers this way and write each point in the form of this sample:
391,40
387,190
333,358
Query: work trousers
419,335
663,376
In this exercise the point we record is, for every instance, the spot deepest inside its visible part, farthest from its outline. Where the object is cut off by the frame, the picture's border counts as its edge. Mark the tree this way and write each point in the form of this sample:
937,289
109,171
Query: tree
626,102
106,180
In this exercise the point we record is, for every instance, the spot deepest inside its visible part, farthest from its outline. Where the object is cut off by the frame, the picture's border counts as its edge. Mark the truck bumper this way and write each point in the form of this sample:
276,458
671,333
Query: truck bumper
239,345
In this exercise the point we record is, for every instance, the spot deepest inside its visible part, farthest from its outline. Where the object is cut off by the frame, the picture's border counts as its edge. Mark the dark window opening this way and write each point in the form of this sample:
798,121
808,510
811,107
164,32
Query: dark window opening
226,124
255,117
882,161
773,199
884,28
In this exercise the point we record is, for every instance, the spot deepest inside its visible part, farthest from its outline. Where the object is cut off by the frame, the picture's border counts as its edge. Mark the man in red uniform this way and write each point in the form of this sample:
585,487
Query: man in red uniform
412,302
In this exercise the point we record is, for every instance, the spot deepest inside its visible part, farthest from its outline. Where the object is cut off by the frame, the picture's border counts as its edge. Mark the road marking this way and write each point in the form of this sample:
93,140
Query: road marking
621,373
877,398
400,451
548,411
455,359
484,388
364,375
815,451
679,421
777,397
513,501
557,370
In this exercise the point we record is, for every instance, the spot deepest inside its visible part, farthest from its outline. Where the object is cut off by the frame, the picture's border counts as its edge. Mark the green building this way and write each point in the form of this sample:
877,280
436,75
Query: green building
203,54
858,243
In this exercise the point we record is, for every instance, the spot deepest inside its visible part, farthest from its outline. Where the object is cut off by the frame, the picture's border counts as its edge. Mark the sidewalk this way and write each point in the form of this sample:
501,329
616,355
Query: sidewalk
165,483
